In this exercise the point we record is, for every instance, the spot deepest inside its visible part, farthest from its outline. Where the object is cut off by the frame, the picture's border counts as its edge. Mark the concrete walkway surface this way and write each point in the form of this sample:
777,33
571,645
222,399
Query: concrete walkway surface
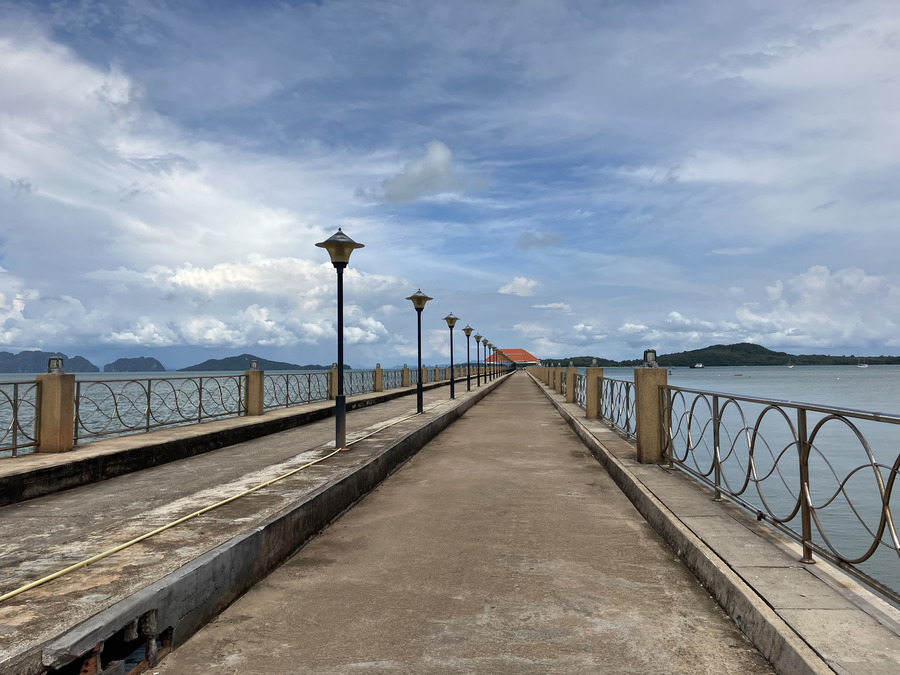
501,547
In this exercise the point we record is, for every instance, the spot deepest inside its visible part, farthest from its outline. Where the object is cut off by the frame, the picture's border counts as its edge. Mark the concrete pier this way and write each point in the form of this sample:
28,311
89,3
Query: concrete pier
501,547
523,537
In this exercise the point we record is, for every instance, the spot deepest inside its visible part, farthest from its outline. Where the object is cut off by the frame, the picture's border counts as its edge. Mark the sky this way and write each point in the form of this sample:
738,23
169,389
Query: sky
570,177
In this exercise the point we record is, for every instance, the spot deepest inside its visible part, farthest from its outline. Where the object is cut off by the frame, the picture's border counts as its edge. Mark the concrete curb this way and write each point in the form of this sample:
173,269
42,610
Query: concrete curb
787,651
35,475
182,602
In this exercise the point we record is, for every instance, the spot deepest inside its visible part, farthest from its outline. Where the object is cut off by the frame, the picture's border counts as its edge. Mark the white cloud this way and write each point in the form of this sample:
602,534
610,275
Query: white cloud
519,286
433,174
555,305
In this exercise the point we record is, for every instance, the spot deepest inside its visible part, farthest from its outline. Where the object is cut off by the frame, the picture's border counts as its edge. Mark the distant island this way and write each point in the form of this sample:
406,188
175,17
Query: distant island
140,364
36,362
242,362
740,354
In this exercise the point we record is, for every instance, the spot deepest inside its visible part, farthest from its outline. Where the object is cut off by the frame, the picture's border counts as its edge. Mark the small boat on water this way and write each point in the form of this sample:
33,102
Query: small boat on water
697,365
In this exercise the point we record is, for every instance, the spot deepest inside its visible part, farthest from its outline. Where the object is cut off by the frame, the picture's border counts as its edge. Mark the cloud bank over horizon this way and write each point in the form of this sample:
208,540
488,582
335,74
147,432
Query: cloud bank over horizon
564,176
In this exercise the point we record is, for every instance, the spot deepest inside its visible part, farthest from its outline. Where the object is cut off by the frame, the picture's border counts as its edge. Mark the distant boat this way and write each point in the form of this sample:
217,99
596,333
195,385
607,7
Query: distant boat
860,363
697,365
790,363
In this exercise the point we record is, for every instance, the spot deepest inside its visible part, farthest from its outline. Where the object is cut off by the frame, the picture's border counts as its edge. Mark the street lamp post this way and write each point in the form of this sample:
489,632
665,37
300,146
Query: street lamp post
488,365
339,247
451,322
468,331
478,359
418,300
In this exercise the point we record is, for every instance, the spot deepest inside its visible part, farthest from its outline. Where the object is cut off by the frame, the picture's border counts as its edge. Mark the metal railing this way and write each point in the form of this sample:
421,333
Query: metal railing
617,404
392,379
18,417
581,390
117,407
283,390
823,476
359,382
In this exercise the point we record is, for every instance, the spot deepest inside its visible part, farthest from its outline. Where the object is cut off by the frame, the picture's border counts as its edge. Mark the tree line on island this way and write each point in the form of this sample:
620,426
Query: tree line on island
36,362
741,354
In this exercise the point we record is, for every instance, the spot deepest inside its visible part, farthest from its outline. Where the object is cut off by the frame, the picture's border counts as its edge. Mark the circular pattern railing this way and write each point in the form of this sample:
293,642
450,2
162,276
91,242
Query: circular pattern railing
824,476
18,415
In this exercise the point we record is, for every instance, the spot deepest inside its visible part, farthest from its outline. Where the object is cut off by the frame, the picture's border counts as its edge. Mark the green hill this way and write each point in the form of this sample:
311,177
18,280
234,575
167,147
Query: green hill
740,354
242,362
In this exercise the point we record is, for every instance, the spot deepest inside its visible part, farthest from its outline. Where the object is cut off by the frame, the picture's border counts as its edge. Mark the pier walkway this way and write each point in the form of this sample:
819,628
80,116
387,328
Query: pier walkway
501,545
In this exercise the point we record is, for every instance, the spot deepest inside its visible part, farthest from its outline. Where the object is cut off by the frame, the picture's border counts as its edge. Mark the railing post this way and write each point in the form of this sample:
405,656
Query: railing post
423,376
332,382
717,455
592,392
647,413
253,392
379,378
404,376
56,412
559,380
805,506
571,372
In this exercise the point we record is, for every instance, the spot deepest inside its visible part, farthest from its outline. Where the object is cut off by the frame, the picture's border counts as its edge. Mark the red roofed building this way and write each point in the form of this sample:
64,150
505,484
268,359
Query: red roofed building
520,357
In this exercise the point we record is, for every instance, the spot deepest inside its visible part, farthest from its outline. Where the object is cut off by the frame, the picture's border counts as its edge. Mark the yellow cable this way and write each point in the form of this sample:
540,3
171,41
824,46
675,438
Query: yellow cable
120,547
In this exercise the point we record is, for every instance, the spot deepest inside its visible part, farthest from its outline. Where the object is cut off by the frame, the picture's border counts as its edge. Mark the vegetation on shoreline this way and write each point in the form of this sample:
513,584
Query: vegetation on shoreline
741,354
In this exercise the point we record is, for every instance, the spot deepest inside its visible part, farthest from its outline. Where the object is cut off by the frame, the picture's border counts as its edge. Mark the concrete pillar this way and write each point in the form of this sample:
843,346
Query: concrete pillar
332,382
404,376
571,372
56,412
379,378
254,381
559,380
592,392
437,374
648,419
423,376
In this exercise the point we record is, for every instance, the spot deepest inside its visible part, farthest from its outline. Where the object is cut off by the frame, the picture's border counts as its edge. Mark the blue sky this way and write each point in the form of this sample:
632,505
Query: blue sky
568,177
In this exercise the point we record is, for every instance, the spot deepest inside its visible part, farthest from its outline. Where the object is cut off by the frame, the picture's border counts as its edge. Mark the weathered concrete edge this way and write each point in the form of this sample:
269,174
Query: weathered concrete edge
197,439
783,647
190,597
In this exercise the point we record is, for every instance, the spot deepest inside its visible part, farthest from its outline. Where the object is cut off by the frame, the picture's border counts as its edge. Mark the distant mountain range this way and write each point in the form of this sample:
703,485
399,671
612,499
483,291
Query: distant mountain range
37,361
242,362
741,354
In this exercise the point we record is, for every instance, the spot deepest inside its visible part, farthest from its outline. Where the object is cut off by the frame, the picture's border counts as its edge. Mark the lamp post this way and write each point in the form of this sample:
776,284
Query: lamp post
478,359
468,331
451,322
418,300
339,247
488,364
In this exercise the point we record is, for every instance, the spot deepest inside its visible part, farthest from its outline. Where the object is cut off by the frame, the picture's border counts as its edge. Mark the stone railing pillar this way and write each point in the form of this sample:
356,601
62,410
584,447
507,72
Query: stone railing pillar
379,378
332,382
254,383
56,412
571,372
437,374
648,419
404,376
592,392
423,376
559,380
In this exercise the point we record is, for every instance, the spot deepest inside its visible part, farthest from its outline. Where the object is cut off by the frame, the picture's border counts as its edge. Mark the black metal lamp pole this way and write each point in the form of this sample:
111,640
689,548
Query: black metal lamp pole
488,366
451,321
468,331
339,247
418,300
478,359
